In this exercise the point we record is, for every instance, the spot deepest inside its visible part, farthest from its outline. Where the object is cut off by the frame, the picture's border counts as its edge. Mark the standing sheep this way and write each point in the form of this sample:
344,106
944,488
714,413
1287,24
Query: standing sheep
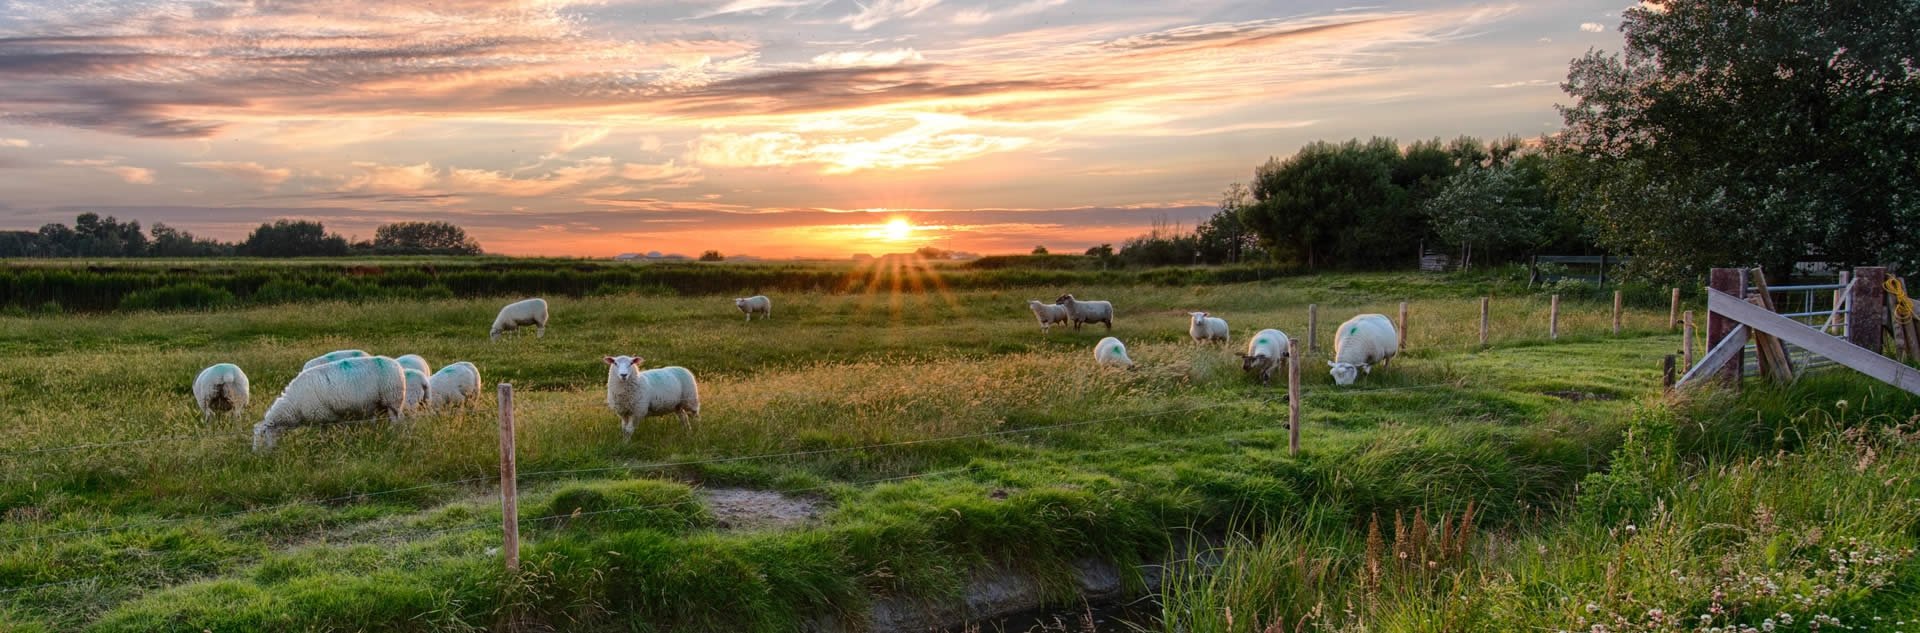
1359,343
1048,314
417,390
757,304
1087,311
341,390
633,393
1266,352
521,313
1206,328
222,388
333,356
455,384
414,361
1110,352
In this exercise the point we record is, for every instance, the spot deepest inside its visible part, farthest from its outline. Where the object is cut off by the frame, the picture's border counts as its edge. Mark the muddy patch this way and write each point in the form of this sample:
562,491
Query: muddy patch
1582,396
747,509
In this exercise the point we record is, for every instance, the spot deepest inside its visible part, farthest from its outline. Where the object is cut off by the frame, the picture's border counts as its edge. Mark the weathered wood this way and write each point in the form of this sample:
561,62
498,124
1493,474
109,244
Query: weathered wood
1673,311
1774,363
1666,371
1484,301
1861,359
1616,313
1840,298
1293,397
1553,317
1313,328
1687,335
1732,281
1867,308
1716,357
1403,326
509,492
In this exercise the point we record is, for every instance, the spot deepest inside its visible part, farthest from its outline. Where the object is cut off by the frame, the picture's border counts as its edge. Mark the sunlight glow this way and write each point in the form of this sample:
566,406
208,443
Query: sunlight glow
897,230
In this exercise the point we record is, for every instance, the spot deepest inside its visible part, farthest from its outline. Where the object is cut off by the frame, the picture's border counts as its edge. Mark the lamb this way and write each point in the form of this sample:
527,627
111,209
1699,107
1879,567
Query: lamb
757,304
1266,352
1110,352
1087,311
341,390
633,393
417,389
414,361
1359,343
221,388
1048,314
455,384
333,356
521,313
1206,328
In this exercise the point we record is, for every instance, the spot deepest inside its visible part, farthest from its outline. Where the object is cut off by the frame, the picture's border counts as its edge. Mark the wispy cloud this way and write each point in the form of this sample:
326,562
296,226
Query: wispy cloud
111,165
15,142
1593,27
255,173
1525,83
844,59
877,12
984,15
755,6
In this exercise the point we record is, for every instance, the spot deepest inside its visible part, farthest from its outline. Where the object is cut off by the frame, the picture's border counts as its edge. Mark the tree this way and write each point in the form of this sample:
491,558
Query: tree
1734,133
172,242
712,256
1333,204
1102,251
1039,250
423,238
1483,207
291,238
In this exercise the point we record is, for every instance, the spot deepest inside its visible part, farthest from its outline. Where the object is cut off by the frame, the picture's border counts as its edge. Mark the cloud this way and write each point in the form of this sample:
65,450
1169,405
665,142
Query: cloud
394,179
877,12
111,165
15,142
1593,27
844,59
928,144
755,6
1526,83
265,177
982,16
423,181
576,139
668,175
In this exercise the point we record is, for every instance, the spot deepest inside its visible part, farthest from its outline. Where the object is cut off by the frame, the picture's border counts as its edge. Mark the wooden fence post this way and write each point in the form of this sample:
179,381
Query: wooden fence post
1687,334
1403,325
1673,312
1732,281
1867,308
509,493
1313,327
1616,313
1553,318
1845,278
1293,397
1666,371
1484,301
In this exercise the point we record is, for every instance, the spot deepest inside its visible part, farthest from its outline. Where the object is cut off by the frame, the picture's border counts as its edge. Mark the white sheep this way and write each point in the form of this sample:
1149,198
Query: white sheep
333,356
633,393
1266,352
757,304
1205,328
417,389
355,388
222,388
1110,352
1048,314
455,384
415,362
521,313
1359,343
1087,311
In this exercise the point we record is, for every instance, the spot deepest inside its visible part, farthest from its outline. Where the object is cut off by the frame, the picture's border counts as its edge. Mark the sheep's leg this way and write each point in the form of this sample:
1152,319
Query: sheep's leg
684,424
540,331
1109,323
626,428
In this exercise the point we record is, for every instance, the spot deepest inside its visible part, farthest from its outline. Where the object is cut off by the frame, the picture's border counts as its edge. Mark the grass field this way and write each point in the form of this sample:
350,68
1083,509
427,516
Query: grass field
940,433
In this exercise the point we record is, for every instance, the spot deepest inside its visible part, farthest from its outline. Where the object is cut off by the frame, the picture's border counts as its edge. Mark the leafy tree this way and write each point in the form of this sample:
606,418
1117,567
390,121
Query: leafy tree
1483,207
172,242
293,238
1763,131
1333,205
1040,250
436,238
712,256
1102,251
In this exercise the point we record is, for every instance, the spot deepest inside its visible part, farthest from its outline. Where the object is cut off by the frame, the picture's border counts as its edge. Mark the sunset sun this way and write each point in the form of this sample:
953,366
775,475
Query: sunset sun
897,230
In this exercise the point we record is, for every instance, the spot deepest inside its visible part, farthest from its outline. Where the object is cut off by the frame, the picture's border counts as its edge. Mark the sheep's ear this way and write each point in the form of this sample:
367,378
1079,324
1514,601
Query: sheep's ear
609,359
1330,363
637,360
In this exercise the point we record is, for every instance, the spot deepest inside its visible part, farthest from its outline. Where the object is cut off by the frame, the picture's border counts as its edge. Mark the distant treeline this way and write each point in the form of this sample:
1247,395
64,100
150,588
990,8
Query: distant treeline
95,236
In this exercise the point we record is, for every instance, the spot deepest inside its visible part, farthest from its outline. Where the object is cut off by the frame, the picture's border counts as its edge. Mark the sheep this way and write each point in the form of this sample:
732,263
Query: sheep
632,393
1110,352
1266,352
1359,343
1206,328
521,313
1048,314
414,361
757,304
1087,311
341,390
221,388
333,356
455,384
417,389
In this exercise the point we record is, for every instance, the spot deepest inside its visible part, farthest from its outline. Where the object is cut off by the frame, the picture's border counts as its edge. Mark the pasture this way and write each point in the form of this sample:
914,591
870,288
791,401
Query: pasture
933,434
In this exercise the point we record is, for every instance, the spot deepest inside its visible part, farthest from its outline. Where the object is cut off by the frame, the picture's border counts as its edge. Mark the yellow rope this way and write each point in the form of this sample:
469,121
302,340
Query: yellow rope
1902,306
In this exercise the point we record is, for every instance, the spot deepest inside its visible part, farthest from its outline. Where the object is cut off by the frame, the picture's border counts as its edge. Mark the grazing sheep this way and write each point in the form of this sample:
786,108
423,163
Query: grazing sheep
1266,352
757,304
342,390
1206,328
1359,343
1048,314
455,384
633,393
333,356
1111,353
414,361
417,389
221,388
1087,311
521,313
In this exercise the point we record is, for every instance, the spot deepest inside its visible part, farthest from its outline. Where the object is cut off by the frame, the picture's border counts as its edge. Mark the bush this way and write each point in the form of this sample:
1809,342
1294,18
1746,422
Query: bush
191,296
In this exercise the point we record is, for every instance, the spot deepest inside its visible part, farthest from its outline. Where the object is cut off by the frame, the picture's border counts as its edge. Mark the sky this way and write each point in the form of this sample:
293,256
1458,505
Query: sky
775,128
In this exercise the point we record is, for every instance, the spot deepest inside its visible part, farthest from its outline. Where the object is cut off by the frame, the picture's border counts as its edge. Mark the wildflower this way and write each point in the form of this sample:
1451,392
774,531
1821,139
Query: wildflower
1593,608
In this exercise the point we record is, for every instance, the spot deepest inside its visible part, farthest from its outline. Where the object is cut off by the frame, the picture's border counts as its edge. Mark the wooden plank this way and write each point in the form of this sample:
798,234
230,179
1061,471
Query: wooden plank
1774,363
1861,359
1867,309
1403,327
1673,311
1710,364
1734,282
1687,334
1616,313
1483,319
509,492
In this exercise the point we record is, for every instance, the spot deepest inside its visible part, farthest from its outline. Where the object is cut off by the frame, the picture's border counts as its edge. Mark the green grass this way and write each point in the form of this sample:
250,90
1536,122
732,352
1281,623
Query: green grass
940,431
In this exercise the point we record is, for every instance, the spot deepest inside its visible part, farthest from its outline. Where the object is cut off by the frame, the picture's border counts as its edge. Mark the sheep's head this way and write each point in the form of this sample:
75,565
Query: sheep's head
1197,317
1064,299
1250,363
739,302
624,366
1344,373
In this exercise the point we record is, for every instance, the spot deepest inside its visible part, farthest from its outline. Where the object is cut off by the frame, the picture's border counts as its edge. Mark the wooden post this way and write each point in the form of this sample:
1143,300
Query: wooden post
1483,319
1666,371
1553,318
1603,269
1838,295
1732,281
1293,397
1313,328
1687,334
509,493
1867,308
1774,363
1616,313
1403,326
1673,312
